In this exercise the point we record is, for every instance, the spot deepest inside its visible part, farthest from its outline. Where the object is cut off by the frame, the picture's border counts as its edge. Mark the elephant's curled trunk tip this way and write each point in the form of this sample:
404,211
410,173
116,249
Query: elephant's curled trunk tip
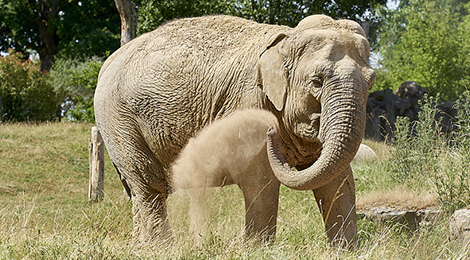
274,149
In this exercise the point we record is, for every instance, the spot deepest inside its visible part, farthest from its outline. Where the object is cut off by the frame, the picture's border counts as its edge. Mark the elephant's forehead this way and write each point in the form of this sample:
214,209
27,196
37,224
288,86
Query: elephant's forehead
333,43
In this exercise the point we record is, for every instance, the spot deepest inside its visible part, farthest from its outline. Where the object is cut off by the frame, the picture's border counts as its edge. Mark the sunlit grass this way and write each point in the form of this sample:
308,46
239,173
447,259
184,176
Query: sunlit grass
45,213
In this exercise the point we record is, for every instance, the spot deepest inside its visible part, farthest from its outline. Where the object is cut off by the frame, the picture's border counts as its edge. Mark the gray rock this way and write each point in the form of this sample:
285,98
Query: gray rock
365,153
459,225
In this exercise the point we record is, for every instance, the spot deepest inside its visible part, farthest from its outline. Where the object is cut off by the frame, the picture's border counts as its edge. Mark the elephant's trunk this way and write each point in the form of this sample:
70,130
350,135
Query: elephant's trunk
342,128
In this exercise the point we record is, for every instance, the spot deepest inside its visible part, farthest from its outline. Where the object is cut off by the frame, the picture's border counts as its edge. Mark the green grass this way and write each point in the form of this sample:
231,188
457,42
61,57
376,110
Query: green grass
45,213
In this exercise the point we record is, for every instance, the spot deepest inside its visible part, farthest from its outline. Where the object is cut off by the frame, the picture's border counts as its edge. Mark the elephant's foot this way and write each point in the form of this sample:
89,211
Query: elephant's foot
264,233
150,219
337,203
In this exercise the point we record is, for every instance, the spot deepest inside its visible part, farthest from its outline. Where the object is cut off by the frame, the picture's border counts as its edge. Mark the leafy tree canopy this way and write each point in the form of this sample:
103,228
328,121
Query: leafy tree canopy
74,81
426,41
153,13
47,27
91,27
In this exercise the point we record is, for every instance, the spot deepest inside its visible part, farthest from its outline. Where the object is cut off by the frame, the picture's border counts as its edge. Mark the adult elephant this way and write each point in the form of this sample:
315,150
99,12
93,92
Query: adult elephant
157,91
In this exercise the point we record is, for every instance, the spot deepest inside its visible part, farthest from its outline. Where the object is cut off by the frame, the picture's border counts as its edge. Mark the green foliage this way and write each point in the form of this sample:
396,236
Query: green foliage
90,29
427,42
75,81
383,81
417,155
153,13
28,94
25,92
442,158
48,27
291,12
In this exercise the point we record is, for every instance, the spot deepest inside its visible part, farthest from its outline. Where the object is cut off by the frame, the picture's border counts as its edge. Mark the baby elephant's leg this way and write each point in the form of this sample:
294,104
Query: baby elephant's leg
261,191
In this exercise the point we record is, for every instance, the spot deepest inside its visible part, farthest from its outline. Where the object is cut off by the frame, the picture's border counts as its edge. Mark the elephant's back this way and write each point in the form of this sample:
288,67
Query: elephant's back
188,59
204,40
188,47
210,34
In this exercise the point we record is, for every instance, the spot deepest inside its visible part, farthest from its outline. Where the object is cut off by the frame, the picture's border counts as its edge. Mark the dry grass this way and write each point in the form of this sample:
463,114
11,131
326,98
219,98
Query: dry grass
400,198
381,149
45,214
388,194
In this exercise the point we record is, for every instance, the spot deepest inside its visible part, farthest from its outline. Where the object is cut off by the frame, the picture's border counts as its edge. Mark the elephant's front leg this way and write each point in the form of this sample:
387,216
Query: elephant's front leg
261,204
337,203
261,191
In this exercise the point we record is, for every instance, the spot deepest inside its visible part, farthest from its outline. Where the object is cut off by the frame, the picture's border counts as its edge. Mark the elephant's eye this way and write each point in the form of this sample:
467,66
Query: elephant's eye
316,81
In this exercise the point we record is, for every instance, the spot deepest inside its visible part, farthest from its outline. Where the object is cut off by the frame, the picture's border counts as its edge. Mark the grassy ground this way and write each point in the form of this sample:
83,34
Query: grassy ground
45,214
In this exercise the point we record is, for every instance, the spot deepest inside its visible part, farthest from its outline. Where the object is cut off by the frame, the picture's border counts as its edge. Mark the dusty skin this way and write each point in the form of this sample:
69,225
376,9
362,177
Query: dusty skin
232,150
159,90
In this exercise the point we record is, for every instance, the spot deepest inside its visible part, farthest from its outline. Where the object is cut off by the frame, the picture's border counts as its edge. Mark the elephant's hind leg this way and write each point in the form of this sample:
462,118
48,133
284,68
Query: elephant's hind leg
150,217
144,177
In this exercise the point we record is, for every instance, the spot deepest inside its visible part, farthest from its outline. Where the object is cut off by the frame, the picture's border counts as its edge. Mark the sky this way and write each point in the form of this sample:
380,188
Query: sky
393,4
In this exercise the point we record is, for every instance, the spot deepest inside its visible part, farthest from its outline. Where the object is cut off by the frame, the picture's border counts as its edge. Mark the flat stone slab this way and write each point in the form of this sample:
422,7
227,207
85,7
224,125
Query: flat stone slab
413,219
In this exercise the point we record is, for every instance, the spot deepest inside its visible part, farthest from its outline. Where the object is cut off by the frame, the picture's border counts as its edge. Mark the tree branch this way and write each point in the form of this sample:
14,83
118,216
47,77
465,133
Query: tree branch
128,13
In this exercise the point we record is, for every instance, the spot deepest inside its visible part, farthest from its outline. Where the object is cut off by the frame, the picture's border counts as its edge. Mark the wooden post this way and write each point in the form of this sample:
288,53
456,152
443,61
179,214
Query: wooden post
96,149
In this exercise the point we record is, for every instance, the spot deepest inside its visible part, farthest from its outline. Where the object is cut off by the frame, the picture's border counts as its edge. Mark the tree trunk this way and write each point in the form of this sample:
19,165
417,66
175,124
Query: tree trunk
47,59
49,40
128,13
366,26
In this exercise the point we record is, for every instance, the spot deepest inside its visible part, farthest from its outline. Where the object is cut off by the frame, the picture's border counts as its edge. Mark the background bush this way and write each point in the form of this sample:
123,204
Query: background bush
427,42
25,92
75,82
434,156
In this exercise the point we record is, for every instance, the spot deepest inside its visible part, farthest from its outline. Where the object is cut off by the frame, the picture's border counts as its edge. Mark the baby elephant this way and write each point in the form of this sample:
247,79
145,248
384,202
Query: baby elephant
232,150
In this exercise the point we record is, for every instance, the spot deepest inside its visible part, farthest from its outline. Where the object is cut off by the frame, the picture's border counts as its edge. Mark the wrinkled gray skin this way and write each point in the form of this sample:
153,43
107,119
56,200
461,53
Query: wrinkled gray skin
157,91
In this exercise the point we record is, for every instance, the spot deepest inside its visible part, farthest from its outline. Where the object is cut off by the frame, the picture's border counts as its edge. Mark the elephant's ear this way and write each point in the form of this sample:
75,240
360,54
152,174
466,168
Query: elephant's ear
272,75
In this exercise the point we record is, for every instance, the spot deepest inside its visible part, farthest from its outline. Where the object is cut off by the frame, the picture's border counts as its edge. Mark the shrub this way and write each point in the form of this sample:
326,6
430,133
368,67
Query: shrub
430,155
25,92
75,81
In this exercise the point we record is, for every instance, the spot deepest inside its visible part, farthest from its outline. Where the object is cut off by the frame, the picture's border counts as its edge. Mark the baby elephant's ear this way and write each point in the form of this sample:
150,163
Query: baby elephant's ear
272,75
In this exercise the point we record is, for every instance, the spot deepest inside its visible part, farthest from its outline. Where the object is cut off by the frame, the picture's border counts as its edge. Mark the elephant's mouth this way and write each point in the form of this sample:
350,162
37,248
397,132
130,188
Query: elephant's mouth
309,130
